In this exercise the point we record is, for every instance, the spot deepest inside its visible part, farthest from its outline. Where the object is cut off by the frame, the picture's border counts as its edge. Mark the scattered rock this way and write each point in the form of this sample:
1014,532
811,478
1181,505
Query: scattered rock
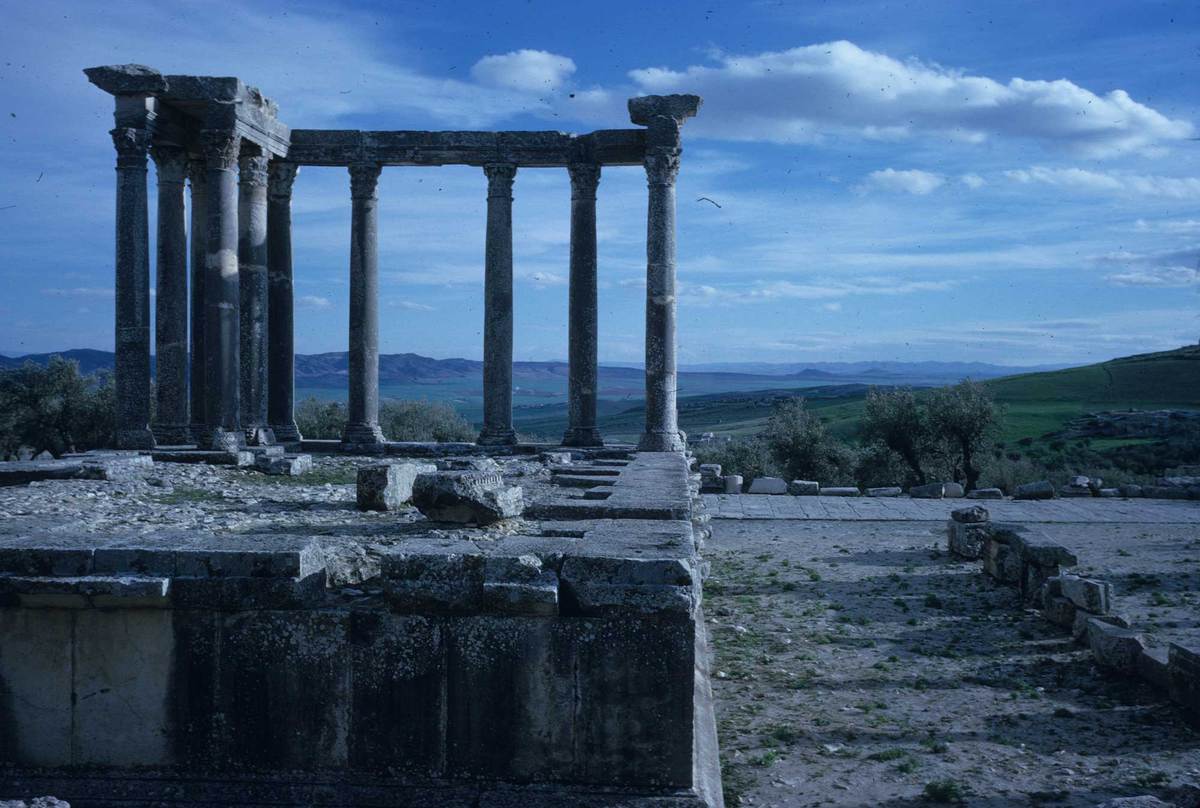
387,486
970,515
953,490
286,466
468,497
37,802
768,485
1042,489
43,455
1131,490
928,491
985,493
840,491
804,488
468,464
733,483
1145,801
890,491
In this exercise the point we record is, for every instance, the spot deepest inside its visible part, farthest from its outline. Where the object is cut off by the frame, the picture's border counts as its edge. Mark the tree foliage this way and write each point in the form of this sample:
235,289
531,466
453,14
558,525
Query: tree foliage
895,419
803,448
400,420
54,408
965,416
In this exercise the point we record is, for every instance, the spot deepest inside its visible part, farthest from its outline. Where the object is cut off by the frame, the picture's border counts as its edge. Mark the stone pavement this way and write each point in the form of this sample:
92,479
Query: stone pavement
1122,511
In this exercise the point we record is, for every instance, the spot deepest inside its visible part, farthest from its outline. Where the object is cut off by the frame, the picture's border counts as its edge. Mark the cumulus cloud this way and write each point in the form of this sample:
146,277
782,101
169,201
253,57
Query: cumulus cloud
313,302
799,95
524,70
912,181
1082,180
972,181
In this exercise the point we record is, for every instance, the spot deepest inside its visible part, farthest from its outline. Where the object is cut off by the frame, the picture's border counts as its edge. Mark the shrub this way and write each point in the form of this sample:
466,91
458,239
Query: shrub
400,420
802,447
878,467
749,457
319,420
54,408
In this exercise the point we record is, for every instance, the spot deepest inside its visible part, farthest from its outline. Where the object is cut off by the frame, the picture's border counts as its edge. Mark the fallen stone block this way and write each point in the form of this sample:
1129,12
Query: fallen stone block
1164,492
1115,648
888,491
804,488
1001,561
1075,491
928,491
840,491
561,458
1087,593
953,491
1183,663
1079,628
1079,481
967,540
970,515
387,486
733,483
468,464
1154,667
768,485
1042,489
22,472
1130,490
985,493
468,497
1058,610
286,466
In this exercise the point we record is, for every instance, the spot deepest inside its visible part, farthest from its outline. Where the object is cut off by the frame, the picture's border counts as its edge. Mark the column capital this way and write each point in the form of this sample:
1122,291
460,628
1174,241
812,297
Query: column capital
131,145
197,166
500,178
282,175
252,170
364,179
220,147
170,162
585,178
662,166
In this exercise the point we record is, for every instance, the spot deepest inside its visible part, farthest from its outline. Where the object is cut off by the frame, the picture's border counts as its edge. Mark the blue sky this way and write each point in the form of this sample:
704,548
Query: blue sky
1013,182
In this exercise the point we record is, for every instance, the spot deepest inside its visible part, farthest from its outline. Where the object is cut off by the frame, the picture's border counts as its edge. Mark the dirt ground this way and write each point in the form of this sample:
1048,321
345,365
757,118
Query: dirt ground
857,664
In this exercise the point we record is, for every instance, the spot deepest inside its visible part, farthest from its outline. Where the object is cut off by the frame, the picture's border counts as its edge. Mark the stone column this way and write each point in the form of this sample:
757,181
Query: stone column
221,291
662,115
132,376
197,171
171,303
582,315
281,359
498,309
252,286
362,426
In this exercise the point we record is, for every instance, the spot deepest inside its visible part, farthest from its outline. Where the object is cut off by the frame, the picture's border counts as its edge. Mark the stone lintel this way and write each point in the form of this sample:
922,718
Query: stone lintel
130,79
649,110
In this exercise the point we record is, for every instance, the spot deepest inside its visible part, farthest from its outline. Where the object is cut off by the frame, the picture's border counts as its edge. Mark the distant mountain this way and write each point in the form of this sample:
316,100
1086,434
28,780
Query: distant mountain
868,370
89,360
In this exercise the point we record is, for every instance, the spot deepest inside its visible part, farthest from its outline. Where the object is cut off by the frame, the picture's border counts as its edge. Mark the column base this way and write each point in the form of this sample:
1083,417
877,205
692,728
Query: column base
582,436
200,434
260,436
496,437
135,438
662,442
363,435
226,440
287,433
172,434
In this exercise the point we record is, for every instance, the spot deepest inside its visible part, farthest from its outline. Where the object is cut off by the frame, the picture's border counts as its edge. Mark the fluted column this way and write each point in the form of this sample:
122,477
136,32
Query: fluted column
252,286
132,285
582,310
197,170
498,309
362,426
662,115
281,358
171,303
221,291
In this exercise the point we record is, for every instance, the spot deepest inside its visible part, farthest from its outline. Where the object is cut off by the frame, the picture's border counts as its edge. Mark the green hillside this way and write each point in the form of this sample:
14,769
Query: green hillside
1035,403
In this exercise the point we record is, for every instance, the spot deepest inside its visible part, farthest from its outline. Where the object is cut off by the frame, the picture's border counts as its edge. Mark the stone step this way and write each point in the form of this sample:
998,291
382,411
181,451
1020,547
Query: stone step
579,481
585,471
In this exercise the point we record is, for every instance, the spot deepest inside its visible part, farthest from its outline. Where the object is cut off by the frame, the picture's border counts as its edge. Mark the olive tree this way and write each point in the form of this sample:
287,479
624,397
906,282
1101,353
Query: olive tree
897,420
965,417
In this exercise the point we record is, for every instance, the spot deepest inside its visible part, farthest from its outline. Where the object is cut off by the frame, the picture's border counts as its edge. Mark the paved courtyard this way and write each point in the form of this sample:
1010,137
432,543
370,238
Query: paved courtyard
857,664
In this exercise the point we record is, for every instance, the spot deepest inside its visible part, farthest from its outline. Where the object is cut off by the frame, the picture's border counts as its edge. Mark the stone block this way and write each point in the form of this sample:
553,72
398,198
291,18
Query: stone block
1115,648
22,472
1042,489
1154,667
967,540
1001,561
1144,801
468,464
889,491
953,490
841,491
804,488
37,679
1079,629
130,79
558,458
1076,491
1087,593
1130,490
1109,493
768,485
519,585
116,468
285,466
972,514
985,493
733,483
928,491
1058,610
387,486
1183,665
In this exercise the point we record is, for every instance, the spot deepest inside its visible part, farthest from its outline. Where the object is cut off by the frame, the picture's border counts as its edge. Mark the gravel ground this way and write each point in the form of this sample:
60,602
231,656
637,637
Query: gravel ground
857,664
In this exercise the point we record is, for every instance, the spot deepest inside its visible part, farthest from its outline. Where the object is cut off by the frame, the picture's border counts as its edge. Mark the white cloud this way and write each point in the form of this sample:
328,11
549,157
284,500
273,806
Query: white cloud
832,306
410,305
1083,180
313,302
81,291
526,70
544,279
1168,226
972,181
1169,269
825,289
1160,277
912,181
800,95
